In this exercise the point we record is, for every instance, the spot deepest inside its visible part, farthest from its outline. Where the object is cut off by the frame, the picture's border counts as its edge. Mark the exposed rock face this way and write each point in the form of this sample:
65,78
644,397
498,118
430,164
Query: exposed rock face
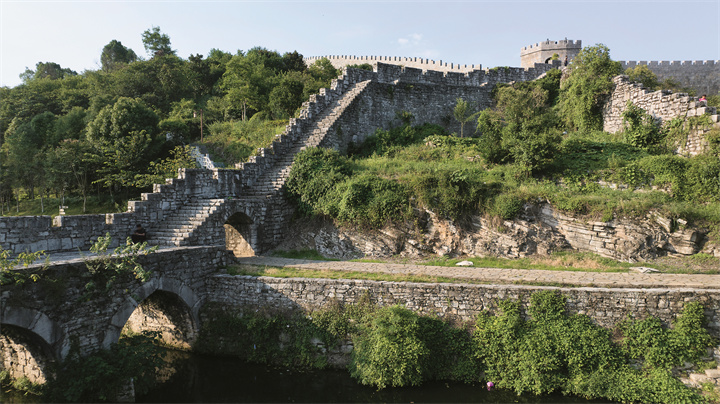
540,229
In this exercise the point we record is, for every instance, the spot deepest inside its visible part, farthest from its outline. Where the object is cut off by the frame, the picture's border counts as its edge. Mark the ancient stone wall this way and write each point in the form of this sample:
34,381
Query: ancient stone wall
663,105
701,75
429,96
461,302
340,61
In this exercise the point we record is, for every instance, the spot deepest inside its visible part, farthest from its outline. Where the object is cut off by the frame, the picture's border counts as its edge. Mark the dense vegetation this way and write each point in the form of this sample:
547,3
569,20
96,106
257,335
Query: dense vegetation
98,138
551,351
541,141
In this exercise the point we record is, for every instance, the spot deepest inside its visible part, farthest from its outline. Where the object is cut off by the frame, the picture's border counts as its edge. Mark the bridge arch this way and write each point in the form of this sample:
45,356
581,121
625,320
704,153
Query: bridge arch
241,234
163,304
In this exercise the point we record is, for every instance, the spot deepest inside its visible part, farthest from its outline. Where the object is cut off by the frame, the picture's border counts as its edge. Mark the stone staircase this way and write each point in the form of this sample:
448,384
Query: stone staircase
178,228
272,181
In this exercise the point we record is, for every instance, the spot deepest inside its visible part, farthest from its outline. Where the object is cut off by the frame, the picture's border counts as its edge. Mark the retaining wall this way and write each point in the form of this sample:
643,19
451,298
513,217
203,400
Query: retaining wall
460,302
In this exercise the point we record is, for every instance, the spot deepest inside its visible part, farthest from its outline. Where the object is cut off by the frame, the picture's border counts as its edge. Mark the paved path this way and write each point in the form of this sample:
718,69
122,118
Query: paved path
482,275
505,276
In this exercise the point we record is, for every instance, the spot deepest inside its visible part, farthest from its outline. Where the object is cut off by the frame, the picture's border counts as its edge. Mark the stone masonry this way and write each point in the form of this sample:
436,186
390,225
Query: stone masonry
663,106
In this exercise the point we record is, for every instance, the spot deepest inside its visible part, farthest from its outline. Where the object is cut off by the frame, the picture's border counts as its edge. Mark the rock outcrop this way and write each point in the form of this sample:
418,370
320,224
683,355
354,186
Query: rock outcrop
540,229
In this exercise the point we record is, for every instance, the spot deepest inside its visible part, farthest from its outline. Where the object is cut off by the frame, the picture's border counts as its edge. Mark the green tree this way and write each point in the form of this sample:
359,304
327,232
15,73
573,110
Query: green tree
72,163
115,55
156,43
286,97
583,93
120,119
461,114
643,75
50,70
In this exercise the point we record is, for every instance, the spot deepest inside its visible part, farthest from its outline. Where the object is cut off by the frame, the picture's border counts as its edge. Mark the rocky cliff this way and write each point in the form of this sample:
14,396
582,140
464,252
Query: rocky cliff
540,229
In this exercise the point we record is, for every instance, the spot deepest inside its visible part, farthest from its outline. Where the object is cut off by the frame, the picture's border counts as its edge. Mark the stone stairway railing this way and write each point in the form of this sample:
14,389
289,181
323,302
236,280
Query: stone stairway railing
273,179
178,228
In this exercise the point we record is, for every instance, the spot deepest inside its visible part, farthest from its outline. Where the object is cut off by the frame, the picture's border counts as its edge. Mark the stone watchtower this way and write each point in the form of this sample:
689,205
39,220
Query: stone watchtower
542,52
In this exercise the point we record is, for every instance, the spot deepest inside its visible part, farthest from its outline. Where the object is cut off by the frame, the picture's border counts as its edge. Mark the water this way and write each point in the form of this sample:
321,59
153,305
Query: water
209,379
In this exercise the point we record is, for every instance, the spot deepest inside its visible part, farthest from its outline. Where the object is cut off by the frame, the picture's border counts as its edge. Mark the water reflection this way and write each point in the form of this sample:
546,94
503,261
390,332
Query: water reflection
206,379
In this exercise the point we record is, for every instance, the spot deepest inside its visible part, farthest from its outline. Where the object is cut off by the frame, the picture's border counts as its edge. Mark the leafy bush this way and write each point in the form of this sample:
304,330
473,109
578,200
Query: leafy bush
583,93
314,174
367,199
390,351
640,128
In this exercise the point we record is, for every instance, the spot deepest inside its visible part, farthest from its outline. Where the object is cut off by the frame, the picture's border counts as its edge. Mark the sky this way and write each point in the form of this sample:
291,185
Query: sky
490,33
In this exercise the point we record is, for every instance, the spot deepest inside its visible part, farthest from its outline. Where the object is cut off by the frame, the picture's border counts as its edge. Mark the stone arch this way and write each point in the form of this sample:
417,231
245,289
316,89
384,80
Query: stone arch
39,324
165,305
24,353
241,235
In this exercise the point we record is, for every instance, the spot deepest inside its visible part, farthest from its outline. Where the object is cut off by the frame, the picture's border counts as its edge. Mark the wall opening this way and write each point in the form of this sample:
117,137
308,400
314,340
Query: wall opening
238,235
24,354
166,313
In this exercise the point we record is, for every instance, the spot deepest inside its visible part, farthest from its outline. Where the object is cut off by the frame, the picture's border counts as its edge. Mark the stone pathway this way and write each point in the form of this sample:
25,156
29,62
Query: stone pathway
505,276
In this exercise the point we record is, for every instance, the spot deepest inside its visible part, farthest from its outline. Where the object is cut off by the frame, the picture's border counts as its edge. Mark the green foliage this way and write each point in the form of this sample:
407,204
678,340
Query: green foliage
234,142
640,129
367,199
583,93
179,158
462,114
521,128
11,272
314,174
570,354
387,142
156,43
101,375
643,75
105,267
390,351
363,66
263,337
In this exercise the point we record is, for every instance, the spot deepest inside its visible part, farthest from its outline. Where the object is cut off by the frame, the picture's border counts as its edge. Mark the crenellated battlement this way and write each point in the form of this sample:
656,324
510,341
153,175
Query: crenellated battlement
701,75
542,52
340,61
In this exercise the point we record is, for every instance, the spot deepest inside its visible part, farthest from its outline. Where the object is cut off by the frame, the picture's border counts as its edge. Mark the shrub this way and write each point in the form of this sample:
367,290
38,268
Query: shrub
390,351
640,129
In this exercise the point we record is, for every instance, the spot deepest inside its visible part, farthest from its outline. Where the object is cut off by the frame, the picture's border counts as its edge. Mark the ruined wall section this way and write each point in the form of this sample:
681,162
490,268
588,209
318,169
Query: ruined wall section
701,75
664,106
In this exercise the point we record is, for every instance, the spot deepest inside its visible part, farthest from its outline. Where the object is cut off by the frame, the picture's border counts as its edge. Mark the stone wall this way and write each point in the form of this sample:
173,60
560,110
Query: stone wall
460,302
701,75
663,105
340,61
429,95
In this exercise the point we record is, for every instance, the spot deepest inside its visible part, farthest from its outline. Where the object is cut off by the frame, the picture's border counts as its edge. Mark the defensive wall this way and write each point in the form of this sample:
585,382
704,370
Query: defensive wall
662,105
701,75
340,61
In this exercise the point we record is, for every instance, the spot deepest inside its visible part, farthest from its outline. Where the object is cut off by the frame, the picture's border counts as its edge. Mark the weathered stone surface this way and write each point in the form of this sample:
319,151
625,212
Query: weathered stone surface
540,229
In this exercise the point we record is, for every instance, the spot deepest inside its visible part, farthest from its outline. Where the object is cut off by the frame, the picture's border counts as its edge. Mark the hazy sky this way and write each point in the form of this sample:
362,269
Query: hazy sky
491,33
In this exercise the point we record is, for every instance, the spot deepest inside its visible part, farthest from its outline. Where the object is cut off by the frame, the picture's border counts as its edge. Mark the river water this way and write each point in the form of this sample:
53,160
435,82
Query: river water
210,379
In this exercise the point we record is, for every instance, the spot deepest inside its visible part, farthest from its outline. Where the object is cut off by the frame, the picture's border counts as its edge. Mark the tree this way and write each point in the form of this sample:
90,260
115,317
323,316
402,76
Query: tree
156,43
286,97
583,93
72,162
460,112
641,74
115,55
117,121
293,62
49,70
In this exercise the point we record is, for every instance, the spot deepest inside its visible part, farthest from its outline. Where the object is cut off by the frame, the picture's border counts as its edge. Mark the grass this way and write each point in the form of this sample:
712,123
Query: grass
285,272
33,207
573,261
